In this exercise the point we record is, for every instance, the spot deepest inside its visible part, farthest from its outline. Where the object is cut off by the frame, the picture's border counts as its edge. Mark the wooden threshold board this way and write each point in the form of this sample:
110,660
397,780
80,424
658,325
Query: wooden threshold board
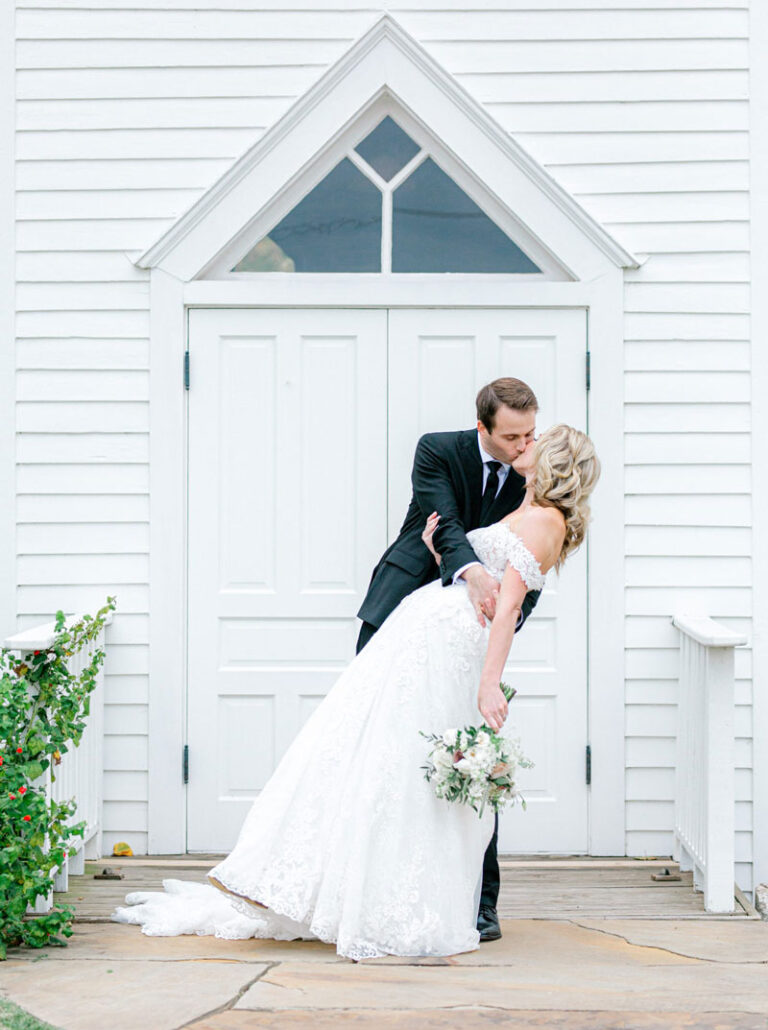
536,887
505,862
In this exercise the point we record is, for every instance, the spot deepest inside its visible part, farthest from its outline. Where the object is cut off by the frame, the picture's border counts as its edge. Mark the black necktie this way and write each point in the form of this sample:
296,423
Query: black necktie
489,494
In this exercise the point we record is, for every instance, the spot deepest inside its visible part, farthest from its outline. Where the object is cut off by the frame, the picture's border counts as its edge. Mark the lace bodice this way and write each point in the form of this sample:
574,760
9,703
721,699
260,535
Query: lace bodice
495,545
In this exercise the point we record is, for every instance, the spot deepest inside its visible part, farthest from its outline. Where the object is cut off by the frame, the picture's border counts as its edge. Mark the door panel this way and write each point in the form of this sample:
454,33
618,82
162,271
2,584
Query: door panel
287,508
439,359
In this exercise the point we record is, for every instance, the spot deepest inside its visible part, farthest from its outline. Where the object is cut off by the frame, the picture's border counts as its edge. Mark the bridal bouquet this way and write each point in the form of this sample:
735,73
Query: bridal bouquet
476,766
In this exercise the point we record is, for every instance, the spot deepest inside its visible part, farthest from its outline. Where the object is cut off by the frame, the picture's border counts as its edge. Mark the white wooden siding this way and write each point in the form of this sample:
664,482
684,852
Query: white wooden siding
125,116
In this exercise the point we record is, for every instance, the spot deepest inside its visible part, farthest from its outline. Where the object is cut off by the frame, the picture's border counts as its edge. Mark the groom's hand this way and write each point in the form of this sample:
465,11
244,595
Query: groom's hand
483,591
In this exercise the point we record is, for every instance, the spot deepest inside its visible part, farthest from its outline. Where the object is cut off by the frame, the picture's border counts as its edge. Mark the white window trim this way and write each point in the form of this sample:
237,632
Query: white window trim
385,60
285,199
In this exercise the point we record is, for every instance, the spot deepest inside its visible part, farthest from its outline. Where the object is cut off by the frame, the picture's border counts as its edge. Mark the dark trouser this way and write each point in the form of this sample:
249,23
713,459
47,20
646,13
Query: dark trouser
489,894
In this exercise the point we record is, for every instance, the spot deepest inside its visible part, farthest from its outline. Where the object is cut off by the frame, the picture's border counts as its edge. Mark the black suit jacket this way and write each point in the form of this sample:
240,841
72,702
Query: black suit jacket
447,477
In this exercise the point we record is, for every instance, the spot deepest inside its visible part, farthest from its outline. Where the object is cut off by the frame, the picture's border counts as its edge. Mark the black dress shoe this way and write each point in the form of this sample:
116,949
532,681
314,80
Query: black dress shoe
488,924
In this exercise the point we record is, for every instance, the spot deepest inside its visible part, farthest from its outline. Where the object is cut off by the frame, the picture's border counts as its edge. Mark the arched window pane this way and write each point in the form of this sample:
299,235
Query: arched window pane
436,227
388,148
335,228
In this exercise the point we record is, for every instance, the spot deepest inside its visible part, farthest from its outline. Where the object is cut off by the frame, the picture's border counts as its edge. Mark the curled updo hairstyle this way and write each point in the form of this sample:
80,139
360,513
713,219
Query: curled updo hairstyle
566,471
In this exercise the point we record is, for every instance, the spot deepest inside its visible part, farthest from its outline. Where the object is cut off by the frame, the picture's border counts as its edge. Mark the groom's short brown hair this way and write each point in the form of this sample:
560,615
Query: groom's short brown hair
512,392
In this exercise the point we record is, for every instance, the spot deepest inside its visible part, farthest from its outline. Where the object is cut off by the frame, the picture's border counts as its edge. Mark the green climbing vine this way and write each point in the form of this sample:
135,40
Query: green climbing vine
44,708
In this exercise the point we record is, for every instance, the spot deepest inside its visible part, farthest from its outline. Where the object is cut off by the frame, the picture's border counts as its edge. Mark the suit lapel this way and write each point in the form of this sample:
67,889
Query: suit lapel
473,469
511,494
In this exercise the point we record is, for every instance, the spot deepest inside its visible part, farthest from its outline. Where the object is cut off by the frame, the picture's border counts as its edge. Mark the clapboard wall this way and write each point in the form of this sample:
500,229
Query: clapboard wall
125,115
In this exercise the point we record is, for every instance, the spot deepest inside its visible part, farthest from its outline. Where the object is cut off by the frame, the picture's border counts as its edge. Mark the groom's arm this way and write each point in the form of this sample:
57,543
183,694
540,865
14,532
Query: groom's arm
434,491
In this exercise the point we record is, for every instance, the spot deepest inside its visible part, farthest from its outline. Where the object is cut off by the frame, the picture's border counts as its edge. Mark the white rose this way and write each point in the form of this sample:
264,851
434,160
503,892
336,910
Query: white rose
486,759
469,766
443,760
450,737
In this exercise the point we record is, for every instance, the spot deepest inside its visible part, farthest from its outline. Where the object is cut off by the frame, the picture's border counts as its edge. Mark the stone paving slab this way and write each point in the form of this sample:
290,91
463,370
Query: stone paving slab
124,941
745,941
688,985
98,995
546,942
478,1019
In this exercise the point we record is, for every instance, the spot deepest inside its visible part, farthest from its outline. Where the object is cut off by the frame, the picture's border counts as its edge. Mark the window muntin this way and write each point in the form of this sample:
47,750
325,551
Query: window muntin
388,148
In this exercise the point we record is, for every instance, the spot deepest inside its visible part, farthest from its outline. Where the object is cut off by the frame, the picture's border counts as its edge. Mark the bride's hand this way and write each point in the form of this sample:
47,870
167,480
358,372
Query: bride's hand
428,533
493,705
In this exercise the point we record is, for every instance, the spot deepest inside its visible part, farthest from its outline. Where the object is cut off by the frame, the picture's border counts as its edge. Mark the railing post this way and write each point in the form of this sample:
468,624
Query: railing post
720,779
704,776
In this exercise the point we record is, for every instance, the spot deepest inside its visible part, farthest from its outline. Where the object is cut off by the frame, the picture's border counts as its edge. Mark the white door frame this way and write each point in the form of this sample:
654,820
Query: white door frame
170,300
386,69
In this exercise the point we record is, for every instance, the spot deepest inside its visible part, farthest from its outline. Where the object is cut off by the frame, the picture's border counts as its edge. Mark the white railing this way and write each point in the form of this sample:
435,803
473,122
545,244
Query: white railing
79,773
704,790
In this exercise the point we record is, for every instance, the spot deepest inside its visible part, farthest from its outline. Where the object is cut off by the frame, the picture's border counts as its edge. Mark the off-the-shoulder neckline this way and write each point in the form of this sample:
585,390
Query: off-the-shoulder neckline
501,522
517,536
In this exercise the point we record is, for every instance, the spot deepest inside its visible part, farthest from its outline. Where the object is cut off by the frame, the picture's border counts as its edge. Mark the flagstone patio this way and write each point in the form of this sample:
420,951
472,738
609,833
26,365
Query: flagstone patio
591,943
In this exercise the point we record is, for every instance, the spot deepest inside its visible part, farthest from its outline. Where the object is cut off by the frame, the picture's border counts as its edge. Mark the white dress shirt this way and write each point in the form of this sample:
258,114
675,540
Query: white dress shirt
503,472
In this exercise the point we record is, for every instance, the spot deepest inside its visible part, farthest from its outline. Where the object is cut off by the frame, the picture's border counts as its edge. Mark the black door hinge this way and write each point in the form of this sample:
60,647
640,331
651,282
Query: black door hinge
589,370
185,764
186,369
589,764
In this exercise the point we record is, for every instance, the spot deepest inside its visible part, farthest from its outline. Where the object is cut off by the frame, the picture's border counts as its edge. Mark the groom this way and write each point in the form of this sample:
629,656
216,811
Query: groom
468,479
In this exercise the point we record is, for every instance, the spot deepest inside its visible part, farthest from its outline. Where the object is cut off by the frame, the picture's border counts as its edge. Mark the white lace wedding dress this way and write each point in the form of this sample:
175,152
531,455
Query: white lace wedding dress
347,842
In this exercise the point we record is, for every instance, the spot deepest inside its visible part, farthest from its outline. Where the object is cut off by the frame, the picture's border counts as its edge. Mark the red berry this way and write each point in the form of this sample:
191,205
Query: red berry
19,750
22,790
27,818
1,760
12,797
37,652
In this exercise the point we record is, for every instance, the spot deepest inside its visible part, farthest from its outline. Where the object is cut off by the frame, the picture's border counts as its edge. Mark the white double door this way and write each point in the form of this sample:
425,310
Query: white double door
302,427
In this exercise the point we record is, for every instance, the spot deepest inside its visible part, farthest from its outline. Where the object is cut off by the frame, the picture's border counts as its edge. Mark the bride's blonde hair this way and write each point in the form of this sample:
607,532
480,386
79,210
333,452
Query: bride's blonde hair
566,471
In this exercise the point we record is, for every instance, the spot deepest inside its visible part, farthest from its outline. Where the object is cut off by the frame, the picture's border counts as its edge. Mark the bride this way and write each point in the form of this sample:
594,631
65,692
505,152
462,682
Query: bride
347,842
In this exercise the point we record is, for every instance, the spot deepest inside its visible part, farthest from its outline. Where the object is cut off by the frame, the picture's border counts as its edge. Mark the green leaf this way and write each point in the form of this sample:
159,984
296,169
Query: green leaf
46,709
34,770
507,691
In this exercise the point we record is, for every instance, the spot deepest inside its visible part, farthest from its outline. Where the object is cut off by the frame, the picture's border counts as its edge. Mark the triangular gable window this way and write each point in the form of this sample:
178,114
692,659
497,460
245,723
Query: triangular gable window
386,206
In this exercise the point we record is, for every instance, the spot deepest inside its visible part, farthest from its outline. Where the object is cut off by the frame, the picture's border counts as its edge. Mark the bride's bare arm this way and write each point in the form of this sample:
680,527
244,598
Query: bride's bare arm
490,699
542,533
